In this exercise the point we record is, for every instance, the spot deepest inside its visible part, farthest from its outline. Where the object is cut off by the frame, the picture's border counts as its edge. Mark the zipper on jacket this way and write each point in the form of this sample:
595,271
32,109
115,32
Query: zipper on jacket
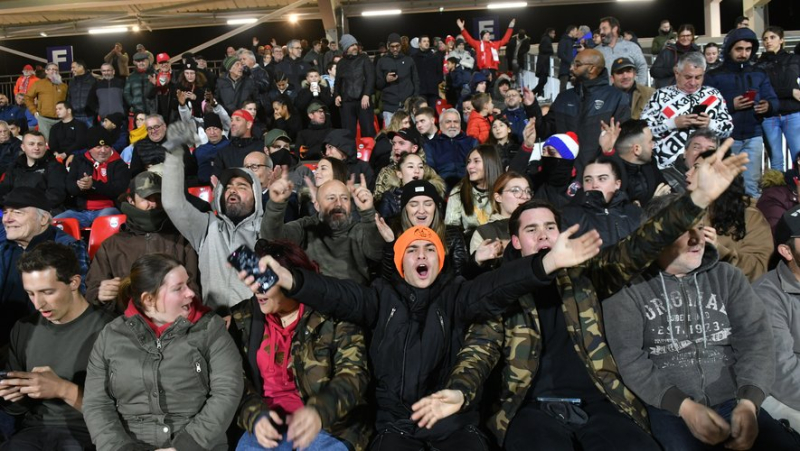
690,333
441,321
158,344
386,326
197,367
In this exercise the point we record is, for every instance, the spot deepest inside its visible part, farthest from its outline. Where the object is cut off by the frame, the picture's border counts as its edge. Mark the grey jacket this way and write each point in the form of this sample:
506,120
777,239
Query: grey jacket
180,391
344,254
714,350
780,291
213,236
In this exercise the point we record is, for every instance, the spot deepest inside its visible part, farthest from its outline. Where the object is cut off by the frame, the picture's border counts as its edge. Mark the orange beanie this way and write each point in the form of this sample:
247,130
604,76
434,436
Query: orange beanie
413,234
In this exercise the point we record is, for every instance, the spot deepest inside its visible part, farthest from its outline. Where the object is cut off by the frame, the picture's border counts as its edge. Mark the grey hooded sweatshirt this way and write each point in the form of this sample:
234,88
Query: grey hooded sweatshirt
214,237
704,335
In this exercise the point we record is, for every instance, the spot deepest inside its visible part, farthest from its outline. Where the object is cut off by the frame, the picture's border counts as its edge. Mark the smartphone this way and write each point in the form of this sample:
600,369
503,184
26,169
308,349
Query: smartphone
244,259
750,95
699,109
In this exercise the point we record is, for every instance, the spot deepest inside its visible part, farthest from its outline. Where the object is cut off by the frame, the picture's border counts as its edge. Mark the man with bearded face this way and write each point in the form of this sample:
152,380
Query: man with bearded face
342,248
147,230
42,97
237,203
108,93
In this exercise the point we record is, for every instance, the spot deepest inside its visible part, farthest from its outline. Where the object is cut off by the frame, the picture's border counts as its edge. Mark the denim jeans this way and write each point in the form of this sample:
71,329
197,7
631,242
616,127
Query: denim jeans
86,217
48,438
778,128
754,147
323,442
672,433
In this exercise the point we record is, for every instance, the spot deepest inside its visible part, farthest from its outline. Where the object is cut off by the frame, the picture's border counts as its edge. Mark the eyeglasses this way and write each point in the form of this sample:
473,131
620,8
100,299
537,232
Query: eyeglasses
519,192
154,128
254,167
686,36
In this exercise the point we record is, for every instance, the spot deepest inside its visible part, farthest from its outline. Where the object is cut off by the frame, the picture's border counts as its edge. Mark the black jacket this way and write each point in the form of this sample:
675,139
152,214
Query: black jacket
147,153
118,177
294,69
581,109
9,151
416,333
613,221
519,53
304,98
344,141
565,54
312,138
78,95
138,91
430,68
545,52
355,77
68,138
232,94
662,68
232,156
407,84
783,69
47,174
551,178
640,181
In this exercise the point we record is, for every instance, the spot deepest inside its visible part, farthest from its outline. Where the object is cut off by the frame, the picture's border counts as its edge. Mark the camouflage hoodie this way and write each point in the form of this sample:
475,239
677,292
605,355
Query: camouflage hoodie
518,337
329,363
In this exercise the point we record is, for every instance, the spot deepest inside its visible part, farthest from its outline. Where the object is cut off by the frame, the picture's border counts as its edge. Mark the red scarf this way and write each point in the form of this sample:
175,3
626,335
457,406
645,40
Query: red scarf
196,311
96,201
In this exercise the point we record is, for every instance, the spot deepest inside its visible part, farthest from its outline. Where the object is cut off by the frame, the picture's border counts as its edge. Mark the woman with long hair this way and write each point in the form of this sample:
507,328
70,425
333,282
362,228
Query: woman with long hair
509,191
469,204
165,374
302,370
191,88
736,227
410,167
783,69
503,137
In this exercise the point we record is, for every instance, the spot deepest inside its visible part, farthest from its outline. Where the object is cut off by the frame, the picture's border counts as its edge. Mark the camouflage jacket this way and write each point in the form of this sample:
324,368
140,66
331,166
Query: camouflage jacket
518,339
330,370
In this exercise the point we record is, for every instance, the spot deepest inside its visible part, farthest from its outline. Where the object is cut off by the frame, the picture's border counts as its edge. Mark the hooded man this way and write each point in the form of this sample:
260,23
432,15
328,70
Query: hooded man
341,145
396,77
750,97
234,221
147,230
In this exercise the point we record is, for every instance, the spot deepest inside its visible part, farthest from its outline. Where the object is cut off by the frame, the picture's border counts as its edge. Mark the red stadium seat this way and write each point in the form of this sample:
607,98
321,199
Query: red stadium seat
365,146
203,192
441,105
69,225
358,127
102,228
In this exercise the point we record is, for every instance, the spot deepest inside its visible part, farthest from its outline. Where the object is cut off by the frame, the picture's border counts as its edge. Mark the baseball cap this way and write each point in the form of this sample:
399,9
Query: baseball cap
162,57
408,134
146,184
274,134
314,106
622,63
788,226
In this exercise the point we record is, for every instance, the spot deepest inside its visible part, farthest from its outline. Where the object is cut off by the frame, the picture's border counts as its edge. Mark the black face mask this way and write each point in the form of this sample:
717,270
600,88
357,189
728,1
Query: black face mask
557,171
245,70
522,35
281,157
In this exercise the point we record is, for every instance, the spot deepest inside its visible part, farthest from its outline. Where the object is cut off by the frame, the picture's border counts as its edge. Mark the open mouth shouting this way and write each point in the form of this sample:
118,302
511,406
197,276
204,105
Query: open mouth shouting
422,270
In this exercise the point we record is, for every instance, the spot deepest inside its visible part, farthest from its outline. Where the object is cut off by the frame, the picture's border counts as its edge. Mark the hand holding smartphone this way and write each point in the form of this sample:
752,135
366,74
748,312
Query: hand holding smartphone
750,95
699,109
244,259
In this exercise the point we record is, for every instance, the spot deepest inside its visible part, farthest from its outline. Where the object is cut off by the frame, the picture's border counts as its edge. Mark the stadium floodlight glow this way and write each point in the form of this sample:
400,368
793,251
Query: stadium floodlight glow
135,28
43,34
507,5
244,21
384,12
108,30
293,18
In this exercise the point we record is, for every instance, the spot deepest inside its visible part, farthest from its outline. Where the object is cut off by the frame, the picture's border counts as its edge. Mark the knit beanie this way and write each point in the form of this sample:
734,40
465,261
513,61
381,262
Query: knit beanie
212,120
393,38
413,234
229,62
347,41
416,188
565,143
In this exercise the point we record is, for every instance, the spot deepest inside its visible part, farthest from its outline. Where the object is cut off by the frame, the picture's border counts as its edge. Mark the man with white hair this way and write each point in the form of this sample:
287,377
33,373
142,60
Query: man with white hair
42,97
674,112
293,65
447,151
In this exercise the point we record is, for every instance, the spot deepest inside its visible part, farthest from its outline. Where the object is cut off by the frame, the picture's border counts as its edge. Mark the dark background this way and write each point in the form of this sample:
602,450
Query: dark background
640,17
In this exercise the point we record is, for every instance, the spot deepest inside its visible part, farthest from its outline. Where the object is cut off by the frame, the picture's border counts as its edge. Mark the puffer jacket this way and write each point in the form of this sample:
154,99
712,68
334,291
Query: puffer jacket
581,109
614,220
662,68
80,88
416,333
355,77
394,94
47,174
517,338
146,153
213,236
138,91
783,69
231,94
448,156
180,390
388,180
329,364
734,79
344,141
430,71
479,126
